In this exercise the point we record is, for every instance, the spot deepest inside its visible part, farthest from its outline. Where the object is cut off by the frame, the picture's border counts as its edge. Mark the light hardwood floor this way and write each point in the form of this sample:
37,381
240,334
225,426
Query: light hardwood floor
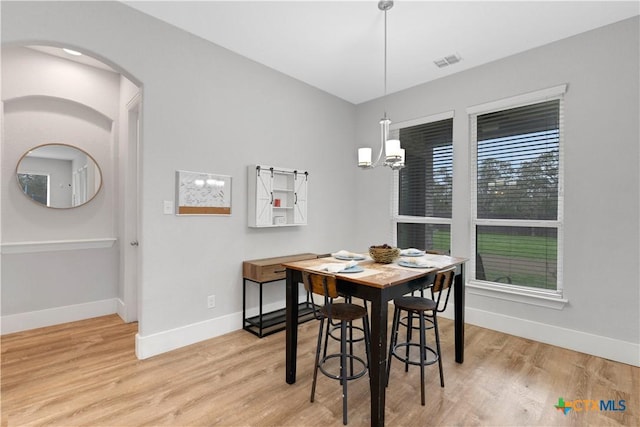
86,373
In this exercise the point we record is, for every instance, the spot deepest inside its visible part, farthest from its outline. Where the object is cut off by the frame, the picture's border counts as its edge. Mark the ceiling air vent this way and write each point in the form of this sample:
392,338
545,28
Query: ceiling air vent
447,60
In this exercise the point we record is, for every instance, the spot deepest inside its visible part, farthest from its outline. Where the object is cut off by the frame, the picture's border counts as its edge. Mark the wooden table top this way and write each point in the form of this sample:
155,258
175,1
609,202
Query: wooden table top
375,274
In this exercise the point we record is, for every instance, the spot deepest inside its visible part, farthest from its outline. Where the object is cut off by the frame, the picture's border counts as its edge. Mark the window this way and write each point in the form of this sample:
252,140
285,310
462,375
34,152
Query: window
36,186
517,183
423,188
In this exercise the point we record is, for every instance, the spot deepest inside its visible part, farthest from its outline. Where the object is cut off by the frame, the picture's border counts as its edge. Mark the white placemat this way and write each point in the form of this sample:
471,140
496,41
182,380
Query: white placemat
323,269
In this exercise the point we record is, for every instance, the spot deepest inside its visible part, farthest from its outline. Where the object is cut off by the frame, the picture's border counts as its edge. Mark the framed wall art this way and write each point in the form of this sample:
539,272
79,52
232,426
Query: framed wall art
200,193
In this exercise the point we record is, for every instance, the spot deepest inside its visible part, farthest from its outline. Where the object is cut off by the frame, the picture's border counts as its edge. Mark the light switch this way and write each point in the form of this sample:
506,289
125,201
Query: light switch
168,207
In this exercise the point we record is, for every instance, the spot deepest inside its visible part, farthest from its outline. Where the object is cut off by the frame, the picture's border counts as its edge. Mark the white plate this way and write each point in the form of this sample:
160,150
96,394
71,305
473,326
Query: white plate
412,265
354,269
347,258
412,254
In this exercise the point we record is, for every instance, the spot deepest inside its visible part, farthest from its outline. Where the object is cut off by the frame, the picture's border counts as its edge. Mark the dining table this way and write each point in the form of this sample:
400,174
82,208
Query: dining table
379,284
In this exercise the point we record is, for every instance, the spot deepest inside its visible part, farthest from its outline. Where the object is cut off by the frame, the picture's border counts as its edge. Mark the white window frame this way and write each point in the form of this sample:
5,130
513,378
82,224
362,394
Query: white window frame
396,218
542,297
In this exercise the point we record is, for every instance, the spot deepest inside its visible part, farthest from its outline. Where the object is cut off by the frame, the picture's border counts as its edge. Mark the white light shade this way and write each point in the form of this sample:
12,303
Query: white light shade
392,148
364,156
396,163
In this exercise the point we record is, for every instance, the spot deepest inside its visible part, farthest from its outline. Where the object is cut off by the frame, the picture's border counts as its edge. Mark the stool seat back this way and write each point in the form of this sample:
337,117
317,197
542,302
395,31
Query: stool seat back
442,284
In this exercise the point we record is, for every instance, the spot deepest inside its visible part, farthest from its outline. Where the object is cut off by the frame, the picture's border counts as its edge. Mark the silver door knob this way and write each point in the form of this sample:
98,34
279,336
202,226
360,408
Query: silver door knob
134,243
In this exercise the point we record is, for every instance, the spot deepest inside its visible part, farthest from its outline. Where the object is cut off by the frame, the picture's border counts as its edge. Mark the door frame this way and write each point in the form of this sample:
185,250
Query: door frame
131,271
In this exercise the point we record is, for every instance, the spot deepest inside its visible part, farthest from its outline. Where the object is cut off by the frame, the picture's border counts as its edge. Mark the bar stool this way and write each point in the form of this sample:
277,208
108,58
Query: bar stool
423,308
334,331
429,324
345,313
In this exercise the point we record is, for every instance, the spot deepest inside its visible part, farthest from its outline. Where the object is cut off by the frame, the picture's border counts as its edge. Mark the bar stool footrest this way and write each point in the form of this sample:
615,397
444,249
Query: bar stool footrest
353,376
360,330
406,359
428,323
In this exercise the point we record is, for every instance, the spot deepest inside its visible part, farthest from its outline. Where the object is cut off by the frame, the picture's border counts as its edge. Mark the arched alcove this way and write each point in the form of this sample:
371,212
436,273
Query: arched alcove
67,264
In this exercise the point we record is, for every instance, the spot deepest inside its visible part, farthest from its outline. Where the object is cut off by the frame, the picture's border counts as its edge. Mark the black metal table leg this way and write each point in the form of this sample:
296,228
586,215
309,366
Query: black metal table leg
378,362
261,327
292,324
244,303
458,295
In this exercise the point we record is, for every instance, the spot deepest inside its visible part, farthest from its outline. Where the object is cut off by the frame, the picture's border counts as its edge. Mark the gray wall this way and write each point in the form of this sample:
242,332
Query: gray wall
207,109
601,250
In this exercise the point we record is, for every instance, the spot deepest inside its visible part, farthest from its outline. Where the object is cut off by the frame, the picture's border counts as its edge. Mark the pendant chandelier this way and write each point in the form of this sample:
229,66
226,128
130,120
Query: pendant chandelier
394,155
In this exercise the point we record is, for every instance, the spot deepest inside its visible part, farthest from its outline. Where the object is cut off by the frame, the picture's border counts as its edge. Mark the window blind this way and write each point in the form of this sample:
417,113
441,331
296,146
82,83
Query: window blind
425,183
517,162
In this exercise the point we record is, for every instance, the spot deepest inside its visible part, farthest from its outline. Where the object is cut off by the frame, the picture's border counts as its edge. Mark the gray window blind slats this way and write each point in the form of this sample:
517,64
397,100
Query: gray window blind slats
518,162
425,181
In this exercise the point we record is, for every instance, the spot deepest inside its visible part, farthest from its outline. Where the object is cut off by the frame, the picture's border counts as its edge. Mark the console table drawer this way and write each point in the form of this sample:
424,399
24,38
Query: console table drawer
270,269
268,273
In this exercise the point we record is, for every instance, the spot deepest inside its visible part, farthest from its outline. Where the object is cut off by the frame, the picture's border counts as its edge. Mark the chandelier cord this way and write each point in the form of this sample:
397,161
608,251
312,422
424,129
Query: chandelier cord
385,64
384,122
394,153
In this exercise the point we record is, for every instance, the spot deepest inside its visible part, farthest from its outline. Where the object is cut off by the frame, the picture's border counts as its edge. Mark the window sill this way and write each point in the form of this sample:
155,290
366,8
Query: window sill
517,294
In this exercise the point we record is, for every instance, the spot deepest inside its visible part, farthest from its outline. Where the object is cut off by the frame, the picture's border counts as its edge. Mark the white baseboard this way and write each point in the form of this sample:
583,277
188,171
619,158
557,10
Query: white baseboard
55,316
151,345
121,309
161,342
608,348
596,345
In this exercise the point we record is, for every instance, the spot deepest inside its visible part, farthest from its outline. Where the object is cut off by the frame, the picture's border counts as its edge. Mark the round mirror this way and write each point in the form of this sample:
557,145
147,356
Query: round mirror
59,176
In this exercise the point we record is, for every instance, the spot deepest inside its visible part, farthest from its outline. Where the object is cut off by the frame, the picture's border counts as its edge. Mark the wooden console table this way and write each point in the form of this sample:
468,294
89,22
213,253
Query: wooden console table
263,271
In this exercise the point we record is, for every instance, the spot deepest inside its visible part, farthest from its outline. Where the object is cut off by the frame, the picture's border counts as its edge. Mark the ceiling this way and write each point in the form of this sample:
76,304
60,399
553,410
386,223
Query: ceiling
338,46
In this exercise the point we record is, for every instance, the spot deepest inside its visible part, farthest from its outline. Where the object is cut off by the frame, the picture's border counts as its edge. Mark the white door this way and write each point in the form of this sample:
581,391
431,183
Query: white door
264,197
300,198
130,244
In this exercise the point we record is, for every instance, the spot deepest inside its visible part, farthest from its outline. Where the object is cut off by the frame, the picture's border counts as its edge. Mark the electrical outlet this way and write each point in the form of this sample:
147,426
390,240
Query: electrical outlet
211,301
